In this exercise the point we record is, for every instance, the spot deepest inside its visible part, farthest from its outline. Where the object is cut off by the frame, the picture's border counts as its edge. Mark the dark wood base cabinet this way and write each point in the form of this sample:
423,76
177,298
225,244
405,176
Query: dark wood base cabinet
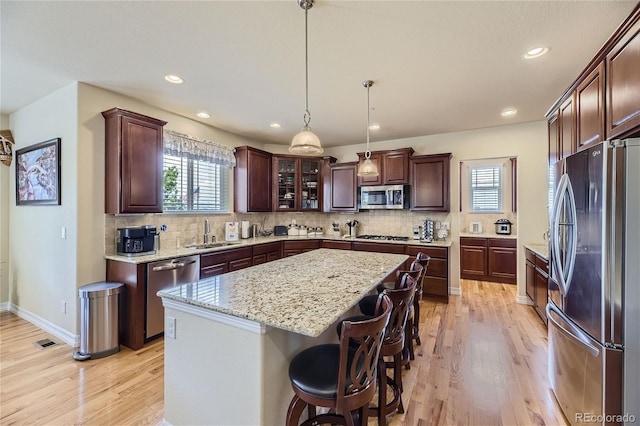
537,268
132,300
221,262
436,282
489,259
291,248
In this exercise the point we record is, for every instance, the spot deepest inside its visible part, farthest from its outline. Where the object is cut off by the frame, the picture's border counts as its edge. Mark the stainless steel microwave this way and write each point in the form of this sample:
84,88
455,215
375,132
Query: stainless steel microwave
383,197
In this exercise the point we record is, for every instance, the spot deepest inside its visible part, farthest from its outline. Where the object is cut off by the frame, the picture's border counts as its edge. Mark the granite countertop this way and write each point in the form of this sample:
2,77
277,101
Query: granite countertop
184,251
539,249
303,294
488,235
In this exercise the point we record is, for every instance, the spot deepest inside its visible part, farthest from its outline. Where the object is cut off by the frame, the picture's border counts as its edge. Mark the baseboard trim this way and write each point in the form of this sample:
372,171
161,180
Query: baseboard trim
62,334
5,306
524,300
456,291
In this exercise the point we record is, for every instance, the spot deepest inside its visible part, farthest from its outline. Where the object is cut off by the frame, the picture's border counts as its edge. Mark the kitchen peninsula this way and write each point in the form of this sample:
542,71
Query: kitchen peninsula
234,334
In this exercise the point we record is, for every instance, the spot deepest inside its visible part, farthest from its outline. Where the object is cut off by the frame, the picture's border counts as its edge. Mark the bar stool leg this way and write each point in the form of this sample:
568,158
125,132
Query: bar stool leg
296,407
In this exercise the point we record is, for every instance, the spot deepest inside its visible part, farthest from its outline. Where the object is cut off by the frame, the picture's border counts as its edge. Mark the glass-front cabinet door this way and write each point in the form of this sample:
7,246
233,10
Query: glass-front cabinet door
287,182
310,184
298,184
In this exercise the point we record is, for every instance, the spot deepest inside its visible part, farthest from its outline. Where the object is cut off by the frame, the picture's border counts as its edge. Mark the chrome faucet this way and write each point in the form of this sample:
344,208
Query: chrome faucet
207,231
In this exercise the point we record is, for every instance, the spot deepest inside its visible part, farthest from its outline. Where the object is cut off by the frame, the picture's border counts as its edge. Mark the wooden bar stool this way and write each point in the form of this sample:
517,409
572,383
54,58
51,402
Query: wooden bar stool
413,323
340,376
392,346
367,303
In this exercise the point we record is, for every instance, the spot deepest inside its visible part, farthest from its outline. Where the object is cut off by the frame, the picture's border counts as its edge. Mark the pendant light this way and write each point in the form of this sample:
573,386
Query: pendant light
368,167
306,142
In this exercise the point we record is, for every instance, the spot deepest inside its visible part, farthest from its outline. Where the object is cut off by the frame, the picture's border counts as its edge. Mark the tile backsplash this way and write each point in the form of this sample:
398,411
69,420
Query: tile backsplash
487,220
187,229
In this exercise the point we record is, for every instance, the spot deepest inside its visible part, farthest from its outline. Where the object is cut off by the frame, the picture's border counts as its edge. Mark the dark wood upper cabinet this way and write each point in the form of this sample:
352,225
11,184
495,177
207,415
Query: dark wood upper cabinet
297,184
133,162
343,183
590,109
554,137
252,180
567,127
393,166
430,182
623,85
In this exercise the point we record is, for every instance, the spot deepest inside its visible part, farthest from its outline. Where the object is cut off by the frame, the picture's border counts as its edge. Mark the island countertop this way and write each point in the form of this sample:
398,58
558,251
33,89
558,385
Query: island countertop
304,294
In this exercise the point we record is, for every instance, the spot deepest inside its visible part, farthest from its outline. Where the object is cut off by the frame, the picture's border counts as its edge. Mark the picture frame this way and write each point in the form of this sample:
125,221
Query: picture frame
38,174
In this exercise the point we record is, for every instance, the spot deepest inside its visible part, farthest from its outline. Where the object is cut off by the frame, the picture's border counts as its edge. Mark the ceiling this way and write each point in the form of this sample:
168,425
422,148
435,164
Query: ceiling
438,67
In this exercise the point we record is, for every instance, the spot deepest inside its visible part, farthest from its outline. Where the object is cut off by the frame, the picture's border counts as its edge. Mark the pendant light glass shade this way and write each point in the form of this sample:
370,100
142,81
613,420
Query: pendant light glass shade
306,142
368,167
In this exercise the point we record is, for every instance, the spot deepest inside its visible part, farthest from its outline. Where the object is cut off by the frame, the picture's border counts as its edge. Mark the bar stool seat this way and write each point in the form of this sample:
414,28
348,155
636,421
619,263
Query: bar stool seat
341,377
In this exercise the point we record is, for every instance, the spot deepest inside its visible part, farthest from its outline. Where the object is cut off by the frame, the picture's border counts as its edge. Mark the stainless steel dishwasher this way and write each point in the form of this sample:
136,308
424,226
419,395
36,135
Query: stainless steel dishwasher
166,274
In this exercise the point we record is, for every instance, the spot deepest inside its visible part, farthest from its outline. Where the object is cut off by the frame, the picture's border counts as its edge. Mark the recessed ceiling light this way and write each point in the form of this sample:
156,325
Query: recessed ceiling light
173,79
374,127
536,52
275,125
510,112
203,114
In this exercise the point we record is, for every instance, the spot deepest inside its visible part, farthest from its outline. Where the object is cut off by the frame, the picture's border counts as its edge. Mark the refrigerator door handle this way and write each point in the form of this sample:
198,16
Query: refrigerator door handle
556,263
573,234
571,331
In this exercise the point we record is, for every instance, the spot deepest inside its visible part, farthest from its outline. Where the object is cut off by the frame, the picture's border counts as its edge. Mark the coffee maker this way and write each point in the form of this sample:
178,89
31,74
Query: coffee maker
428,232
136,241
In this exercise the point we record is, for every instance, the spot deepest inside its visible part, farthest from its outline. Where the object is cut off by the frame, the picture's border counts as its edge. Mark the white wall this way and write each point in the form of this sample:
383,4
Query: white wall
4,225
43,266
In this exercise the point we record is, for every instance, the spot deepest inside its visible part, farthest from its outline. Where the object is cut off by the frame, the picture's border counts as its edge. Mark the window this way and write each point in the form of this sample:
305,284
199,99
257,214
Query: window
196,175
486,189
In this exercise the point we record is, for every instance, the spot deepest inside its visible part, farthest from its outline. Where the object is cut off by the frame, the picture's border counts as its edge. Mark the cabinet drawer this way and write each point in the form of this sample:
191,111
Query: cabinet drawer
437,252
237,264
224,256
260,258
531,256
274,255
301,245
542,264
293,252
213,270
379,247
469,241
503,242
438,268
332,244
266,248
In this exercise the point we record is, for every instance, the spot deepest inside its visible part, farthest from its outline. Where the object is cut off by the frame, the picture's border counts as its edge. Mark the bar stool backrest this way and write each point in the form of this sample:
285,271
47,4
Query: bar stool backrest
358,362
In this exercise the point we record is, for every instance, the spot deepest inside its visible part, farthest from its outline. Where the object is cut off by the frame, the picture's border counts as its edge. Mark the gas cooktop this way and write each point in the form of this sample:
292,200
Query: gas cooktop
383,237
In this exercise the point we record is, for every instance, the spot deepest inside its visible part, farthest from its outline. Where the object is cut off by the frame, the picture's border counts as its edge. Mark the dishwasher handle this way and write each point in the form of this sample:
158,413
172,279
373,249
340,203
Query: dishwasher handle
176,264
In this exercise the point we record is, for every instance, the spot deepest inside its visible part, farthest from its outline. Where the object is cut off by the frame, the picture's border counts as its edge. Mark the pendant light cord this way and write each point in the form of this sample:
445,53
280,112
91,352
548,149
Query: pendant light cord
307,114
367,153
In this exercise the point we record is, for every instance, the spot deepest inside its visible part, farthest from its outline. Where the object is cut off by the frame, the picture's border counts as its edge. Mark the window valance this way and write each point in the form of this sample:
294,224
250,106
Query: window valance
181,145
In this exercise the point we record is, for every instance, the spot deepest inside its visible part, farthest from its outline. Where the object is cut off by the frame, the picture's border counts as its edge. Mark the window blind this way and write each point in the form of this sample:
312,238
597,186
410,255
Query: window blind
486,189
195,175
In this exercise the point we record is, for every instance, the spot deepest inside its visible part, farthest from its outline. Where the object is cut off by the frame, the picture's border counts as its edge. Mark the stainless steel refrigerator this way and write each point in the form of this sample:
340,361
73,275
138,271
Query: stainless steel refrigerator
594,285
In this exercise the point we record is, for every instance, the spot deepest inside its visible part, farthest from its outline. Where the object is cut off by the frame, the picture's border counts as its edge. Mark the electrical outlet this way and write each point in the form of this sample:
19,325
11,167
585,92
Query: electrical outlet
170,327
445,225
438,225
63,233
63,307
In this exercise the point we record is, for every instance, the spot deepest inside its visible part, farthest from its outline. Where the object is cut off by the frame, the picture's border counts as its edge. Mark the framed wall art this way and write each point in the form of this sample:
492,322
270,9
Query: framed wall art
38,174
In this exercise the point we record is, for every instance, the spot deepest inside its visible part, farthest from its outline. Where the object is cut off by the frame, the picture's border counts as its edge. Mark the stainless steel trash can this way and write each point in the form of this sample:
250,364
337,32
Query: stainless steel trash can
98,320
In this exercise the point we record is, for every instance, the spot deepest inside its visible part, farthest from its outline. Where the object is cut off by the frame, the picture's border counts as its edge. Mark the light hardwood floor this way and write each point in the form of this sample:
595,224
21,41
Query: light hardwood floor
482,362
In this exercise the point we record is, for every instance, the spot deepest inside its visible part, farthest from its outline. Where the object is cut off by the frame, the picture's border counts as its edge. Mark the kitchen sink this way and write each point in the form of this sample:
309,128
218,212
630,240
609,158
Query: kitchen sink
211,245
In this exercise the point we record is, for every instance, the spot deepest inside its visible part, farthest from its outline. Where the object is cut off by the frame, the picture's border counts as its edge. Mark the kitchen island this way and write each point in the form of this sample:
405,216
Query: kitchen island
235,334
